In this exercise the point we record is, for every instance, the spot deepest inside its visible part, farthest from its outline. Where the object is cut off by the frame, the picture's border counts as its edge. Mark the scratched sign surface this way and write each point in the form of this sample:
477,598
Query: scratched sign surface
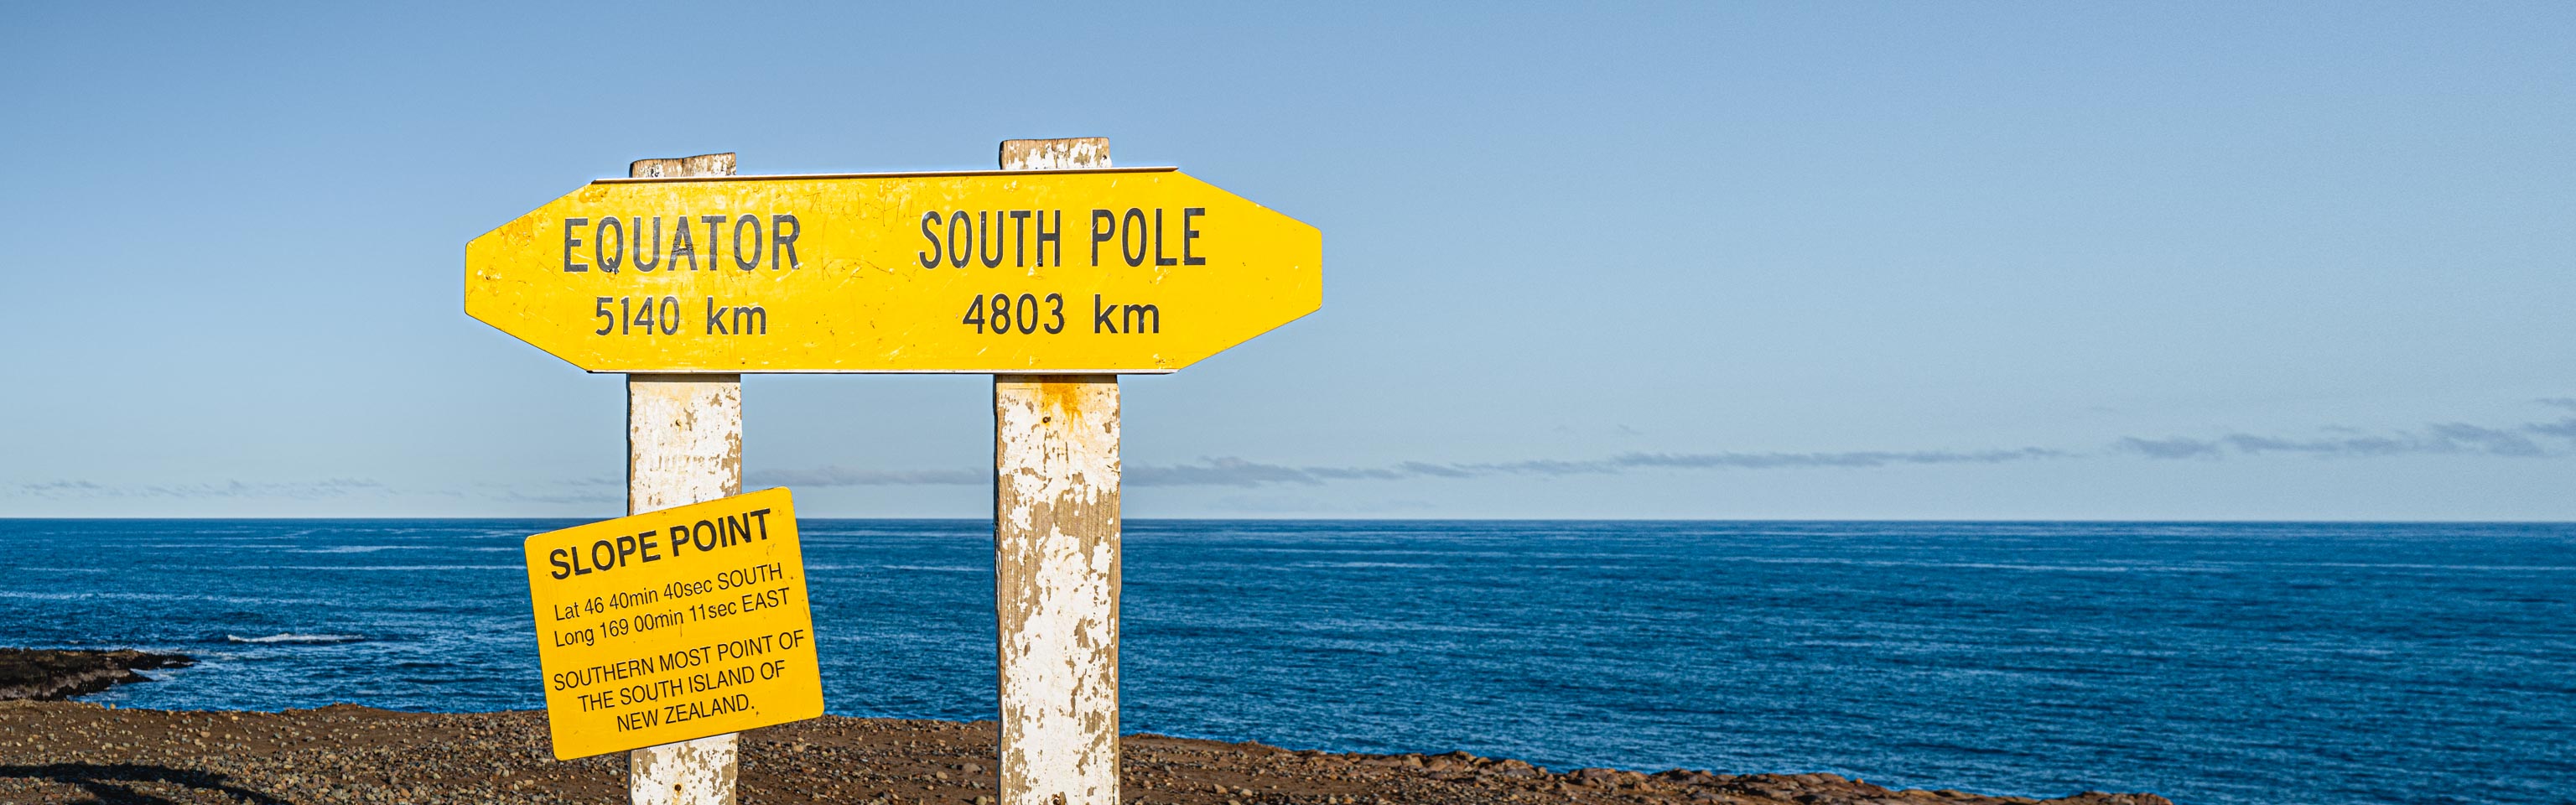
1113,270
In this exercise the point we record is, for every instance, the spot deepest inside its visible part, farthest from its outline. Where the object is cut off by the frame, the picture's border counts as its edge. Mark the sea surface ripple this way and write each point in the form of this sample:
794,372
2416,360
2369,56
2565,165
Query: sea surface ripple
2216,663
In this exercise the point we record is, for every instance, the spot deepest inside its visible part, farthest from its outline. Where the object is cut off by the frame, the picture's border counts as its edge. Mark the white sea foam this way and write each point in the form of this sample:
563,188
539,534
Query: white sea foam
373,567
923,568
230,599
291,637
1363,564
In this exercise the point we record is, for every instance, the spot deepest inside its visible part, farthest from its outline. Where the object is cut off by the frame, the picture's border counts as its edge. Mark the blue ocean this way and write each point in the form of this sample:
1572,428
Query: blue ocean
2218,664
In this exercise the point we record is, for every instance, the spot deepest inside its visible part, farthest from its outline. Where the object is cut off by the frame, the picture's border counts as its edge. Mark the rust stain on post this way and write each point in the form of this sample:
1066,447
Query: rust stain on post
1055,562
683,445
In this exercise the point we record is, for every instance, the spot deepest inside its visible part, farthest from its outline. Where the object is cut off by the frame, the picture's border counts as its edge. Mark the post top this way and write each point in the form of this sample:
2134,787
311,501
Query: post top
1060,153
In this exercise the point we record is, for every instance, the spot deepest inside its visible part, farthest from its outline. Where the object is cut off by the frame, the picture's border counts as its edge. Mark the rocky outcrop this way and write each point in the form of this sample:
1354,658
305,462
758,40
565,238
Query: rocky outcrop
33,673
1689,786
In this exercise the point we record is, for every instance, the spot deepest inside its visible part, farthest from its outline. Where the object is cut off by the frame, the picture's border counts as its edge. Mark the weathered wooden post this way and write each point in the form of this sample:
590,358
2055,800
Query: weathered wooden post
683,445
1055,561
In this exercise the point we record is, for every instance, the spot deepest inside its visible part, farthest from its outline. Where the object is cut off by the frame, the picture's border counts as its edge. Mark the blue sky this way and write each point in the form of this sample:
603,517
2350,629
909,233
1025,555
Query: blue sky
1699,261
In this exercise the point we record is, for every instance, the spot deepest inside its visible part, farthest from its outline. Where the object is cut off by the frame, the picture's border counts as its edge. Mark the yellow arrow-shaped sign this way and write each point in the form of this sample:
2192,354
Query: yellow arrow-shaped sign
1091,271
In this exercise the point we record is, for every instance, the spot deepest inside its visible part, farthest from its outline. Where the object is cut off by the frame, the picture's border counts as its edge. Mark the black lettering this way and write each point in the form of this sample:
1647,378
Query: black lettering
649,544
603,554
1189,234
1046,236
988,238
748,317
681,243
930,259
1159,259
716,318
600,238
556,558
642,264
1137,319
703,536
626,546
1020,237
714,250
960,251
1100,321
1132,227
783,230
1104,225
572,240
761,516
752,221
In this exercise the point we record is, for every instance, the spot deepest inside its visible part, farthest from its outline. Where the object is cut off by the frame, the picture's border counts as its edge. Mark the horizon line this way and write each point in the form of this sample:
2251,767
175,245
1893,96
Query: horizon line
2076,521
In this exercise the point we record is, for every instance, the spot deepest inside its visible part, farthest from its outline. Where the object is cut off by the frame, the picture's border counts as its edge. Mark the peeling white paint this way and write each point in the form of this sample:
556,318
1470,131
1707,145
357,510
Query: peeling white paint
699,772
1056,585
683,440
1059,154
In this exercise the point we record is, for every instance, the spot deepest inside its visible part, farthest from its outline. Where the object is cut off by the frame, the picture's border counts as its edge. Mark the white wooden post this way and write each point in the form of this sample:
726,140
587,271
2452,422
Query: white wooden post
1055,561
683,445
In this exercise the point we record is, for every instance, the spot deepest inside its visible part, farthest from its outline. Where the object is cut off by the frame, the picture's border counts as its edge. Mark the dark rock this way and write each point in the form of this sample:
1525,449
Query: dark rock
1513,768
60,673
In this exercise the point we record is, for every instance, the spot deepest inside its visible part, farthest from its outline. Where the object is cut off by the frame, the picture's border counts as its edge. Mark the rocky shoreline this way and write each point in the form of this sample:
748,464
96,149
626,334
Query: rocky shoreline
75,751
44,674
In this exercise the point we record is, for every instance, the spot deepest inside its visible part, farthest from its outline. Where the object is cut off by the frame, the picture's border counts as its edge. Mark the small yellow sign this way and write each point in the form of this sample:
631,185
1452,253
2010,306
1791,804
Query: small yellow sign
1094,271
671,625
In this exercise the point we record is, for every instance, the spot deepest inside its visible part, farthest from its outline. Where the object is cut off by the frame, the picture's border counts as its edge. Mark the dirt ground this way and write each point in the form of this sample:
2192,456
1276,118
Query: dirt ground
73,752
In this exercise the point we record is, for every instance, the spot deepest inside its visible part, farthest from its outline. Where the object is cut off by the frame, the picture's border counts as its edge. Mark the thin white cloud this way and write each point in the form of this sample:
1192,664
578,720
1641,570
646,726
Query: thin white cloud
2529,440
2553,439
298,490
1237,472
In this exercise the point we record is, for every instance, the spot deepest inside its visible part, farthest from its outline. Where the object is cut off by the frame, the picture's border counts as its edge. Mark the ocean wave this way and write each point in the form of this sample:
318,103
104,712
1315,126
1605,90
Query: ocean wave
229,599
291,637
923,568
373,567
1364,564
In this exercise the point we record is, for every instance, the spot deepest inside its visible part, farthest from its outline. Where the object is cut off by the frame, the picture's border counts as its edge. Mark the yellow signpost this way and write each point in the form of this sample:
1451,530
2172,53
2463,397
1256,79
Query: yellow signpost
1128,270
667,631
675,624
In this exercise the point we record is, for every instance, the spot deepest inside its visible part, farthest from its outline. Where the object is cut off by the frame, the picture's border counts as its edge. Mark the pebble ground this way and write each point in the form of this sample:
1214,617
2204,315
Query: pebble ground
73,752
